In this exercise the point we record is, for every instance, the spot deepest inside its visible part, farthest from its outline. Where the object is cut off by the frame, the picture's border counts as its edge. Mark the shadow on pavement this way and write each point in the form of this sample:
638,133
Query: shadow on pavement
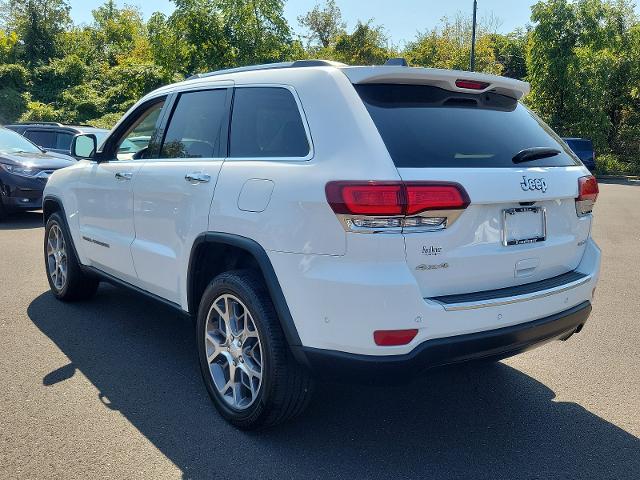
480,422
22,221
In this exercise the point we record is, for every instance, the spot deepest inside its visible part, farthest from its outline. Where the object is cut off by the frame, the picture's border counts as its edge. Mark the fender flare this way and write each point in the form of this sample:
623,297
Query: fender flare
268,273
63,214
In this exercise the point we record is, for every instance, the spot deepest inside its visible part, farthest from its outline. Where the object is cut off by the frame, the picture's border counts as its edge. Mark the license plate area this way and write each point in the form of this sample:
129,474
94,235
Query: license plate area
524,225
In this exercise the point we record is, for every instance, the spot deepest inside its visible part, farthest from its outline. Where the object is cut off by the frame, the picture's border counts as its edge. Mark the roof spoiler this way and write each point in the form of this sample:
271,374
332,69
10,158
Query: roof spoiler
452,80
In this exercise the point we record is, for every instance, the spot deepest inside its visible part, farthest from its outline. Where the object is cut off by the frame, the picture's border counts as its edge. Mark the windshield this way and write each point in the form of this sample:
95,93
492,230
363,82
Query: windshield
425,126
12,142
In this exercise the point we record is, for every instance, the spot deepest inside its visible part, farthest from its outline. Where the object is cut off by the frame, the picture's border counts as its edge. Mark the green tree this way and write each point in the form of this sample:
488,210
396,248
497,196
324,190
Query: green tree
550,56
449,45
324,23
257,30
38,24
13,82
192,39
366,45
510,51
119,33
8,47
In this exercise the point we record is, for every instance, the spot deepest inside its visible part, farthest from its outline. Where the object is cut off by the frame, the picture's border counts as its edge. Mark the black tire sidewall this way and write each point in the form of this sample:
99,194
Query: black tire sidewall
242,285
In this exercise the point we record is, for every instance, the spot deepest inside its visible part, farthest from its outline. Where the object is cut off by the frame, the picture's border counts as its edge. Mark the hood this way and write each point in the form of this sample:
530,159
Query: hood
42,161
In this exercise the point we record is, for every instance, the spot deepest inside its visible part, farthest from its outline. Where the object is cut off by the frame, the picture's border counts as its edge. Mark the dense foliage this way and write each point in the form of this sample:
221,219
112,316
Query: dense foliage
582,57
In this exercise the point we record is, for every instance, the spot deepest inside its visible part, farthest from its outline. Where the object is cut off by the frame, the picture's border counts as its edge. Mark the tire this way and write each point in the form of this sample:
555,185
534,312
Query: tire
68,283
284,387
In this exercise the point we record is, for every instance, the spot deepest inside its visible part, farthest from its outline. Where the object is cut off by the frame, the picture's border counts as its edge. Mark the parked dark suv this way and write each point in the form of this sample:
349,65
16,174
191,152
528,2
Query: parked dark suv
55,137
24,171
583,148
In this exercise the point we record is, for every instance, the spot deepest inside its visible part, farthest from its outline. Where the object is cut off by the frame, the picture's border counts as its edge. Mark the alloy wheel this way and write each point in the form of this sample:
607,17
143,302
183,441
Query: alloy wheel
57,257
234,351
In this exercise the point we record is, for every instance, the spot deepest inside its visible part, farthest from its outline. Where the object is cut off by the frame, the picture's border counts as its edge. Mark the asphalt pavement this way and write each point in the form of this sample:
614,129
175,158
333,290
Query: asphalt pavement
110,388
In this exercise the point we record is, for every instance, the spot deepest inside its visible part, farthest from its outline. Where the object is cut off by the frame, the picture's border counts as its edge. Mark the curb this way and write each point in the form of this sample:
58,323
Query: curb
629,178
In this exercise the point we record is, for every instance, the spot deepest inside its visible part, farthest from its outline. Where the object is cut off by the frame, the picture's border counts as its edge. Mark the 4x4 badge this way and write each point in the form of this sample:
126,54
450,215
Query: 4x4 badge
533,184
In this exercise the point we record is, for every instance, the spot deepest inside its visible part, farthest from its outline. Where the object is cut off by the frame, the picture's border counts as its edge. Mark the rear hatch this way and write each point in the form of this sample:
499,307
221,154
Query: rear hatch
521,180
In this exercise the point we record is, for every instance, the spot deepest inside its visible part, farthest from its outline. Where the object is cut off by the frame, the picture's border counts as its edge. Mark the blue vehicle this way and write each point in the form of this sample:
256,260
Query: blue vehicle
583,148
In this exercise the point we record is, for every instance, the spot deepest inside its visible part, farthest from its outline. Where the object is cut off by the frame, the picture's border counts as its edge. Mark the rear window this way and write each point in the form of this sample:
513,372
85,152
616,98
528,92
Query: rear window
581,145
44,138
425,126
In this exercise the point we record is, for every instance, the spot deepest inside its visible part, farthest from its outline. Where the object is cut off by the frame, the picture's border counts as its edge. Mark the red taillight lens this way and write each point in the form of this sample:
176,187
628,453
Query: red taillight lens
471,84
434,197
394,198
588,188
390,338
371,199
587,195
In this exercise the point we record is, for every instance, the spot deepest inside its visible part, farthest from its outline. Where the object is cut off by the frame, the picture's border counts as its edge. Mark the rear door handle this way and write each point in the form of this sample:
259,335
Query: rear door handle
197,177
124,176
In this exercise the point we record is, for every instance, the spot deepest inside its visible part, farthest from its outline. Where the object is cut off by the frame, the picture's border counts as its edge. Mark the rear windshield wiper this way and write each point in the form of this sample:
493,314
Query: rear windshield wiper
535,153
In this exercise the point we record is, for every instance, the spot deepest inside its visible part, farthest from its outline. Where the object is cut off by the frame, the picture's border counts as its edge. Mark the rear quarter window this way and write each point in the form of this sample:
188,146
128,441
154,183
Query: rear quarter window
266,123
429,127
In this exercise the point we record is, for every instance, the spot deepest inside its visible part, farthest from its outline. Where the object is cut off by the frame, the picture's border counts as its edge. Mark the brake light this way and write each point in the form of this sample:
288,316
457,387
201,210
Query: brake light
587,195
471,84
390,338
394,198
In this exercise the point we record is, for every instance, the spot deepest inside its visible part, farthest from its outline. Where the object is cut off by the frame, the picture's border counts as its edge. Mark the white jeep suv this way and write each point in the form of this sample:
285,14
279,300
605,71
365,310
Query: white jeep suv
318,218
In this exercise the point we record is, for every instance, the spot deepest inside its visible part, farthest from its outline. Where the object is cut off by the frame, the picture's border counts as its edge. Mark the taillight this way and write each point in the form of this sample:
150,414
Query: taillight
434,197
393,206
587,195
471,84
390,338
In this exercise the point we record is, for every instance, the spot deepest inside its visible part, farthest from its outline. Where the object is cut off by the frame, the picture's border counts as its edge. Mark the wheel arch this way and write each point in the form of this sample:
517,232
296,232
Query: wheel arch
210,247
51,205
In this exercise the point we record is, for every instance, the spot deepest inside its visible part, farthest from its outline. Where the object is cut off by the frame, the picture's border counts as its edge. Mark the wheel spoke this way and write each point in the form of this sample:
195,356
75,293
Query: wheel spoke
216,348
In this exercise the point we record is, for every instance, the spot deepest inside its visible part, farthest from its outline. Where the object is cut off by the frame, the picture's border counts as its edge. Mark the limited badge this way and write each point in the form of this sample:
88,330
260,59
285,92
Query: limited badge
431,250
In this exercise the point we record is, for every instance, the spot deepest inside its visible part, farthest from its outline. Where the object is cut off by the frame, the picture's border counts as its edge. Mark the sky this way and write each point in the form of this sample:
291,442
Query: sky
403,19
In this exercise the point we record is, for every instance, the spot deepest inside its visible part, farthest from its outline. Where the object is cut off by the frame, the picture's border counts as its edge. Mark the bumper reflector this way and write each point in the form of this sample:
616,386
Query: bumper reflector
389,338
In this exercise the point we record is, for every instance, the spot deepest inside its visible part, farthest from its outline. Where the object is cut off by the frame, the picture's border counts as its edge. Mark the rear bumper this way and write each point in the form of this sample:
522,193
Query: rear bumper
338,302
494,344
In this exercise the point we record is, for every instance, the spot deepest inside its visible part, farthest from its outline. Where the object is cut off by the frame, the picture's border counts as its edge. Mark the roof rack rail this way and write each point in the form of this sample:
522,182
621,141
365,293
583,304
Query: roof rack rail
269,66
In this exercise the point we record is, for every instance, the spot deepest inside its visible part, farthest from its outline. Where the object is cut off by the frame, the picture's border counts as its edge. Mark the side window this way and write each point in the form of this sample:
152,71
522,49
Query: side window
42,138
194,127
63,141
266,123
135,142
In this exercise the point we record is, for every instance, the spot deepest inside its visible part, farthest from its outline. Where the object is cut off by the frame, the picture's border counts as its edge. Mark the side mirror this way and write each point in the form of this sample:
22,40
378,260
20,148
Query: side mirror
84,146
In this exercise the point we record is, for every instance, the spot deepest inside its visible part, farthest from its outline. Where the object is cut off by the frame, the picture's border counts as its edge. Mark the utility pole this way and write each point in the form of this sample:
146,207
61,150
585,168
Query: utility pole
473,36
